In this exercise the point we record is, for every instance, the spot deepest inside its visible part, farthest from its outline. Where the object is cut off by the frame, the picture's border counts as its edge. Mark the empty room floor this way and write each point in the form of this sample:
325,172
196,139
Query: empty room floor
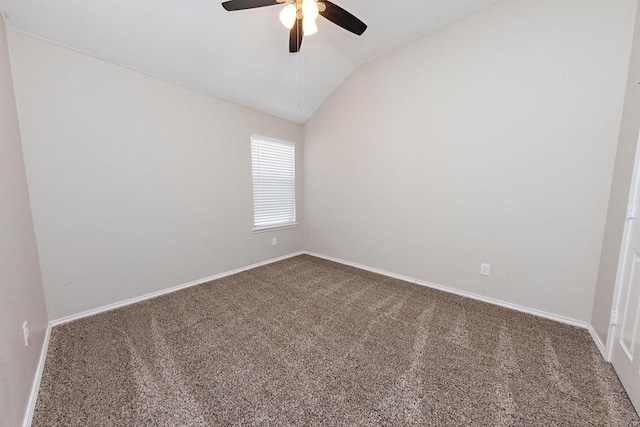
308,341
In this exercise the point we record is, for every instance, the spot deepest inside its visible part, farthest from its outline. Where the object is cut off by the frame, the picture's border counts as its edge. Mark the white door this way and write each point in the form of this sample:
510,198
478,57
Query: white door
625,355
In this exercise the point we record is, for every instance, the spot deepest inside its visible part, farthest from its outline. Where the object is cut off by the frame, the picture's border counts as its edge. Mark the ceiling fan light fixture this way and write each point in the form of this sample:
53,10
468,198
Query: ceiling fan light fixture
309,26
303,13
310,9
288,16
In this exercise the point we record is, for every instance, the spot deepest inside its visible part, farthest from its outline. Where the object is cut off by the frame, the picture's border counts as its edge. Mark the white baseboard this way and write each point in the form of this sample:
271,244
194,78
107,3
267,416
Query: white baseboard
533,311
36,381
134,300
599,344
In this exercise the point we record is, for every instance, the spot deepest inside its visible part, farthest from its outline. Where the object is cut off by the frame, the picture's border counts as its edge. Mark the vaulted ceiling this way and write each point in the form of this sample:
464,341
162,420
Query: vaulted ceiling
241,56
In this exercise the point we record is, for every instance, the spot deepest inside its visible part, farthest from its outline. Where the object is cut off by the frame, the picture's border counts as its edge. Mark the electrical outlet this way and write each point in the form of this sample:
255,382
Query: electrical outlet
25,332
274,241
485,269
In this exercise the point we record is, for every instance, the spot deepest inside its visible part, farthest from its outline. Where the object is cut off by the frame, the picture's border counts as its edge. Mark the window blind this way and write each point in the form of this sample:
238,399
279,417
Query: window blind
274,183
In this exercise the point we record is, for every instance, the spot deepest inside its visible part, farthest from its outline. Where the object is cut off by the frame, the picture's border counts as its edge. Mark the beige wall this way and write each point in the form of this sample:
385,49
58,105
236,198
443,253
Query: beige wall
492,141
618,198
137,184
21,294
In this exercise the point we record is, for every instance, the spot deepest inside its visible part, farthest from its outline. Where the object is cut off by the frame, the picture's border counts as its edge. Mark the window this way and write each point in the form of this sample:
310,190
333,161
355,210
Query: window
274,183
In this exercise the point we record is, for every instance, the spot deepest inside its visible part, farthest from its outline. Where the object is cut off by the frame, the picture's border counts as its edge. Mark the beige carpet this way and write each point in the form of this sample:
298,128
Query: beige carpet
309,342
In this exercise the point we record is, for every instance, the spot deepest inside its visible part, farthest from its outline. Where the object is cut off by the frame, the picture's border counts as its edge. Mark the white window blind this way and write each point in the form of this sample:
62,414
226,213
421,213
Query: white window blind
274,183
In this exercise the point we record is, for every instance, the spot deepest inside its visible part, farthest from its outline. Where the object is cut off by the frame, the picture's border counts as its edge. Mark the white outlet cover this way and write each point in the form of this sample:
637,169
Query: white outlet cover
274,241
25,332
485,269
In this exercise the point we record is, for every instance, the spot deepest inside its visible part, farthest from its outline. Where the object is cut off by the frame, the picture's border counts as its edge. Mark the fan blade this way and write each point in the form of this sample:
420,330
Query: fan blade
295,37
342,18
247,4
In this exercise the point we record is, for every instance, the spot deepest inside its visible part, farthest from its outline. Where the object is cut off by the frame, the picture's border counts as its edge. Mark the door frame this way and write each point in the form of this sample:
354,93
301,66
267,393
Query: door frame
632,209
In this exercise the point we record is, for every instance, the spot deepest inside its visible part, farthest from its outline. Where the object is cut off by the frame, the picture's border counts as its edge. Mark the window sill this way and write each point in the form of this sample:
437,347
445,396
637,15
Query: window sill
274,227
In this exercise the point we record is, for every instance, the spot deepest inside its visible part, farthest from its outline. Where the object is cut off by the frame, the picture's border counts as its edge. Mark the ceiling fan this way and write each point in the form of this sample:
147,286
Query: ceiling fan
299,16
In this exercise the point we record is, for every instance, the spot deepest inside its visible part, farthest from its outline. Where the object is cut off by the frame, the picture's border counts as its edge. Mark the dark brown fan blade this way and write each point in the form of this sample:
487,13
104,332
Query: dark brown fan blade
295,37
344,19
247,4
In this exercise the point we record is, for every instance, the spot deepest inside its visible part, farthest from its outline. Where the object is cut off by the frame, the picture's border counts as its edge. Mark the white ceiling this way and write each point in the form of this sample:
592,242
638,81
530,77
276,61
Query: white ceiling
241,56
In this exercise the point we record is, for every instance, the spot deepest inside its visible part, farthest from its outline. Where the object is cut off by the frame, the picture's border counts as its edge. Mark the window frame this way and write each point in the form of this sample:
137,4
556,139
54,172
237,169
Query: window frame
282,225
